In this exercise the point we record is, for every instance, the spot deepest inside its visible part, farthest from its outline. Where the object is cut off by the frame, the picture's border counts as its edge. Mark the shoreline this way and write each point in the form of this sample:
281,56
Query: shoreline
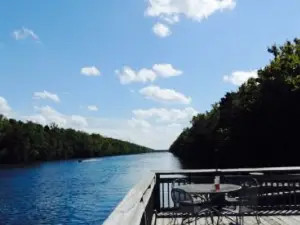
32,164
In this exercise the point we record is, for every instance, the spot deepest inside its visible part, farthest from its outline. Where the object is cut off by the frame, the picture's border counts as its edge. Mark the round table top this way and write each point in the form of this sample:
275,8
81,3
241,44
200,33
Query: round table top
208,188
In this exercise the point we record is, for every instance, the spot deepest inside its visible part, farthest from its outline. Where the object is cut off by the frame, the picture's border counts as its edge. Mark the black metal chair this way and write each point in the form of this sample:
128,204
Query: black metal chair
178,182
188,206
247,200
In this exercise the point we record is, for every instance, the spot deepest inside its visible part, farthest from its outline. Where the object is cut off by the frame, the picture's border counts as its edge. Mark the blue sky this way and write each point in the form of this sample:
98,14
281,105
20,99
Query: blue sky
135,70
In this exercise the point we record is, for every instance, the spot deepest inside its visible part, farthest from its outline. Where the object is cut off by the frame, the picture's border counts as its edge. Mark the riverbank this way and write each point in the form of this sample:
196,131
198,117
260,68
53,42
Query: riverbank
23,143
33,164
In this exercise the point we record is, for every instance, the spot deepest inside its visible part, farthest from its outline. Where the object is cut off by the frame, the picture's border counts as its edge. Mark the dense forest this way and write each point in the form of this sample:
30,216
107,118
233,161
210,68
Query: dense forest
255,126
30,142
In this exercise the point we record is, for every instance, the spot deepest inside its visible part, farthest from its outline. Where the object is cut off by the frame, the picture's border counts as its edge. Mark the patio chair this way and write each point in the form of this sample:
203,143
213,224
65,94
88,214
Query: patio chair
246,201
182,181
188,206
178,182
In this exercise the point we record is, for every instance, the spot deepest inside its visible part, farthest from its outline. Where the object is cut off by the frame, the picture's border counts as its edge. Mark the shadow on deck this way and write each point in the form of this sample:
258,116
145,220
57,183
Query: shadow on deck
265,220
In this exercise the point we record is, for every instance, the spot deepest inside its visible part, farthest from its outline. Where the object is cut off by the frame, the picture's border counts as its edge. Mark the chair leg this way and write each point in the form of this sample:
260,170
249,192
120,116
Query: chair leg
239,220
257,219
174,220
185,218
212,219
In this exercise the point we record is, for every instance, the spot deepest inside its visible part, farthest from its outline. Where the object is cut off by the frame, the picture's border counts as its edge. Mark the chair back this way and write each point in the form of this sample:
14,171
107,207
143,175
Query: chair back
249,192
179,196
250,188
178,182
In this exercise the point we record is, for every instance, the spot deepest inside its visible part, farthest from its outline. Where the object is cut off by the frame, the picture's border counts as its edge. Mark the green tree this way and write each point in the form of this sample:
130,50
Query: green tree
30,142
257,125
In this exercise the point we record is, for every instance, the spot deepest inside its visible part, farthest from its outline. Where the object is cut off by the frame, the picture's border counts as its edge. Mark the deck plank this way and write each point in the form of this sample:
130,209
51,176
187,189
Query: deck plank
265,220
269,220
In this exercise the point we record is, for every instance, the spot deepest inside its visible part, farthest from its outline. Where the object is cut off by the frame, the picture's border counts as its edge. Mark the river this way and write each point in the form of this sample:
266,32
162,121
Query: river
73,193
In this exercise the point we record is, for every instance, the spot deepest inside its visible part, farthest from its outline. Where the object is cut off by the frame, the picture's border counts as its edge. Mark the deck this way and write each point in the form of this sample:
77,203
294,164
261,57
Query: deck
150,202
265,220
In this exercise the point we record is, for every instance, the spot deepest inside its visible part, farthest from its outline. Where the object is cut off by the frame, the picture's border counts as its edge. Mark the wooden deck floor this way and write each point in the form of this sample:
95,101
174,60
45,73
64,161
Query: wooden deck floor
265,220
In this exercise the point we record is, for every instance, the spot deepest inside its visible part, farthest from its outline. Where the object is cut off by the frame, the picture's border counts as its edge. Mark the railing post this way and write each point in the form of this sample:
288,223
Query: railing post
157,193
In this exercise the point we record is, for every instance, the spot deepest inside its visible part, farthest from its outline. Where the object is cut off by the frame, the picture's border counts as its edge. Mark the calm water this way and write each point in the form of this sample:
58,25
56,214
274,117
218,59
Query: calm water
69,192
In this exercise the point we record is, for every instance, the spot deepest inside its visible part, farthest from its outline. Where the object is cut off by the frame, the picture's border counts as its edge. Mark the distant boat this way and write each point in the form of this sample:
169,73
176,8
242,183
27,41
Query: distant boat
80,160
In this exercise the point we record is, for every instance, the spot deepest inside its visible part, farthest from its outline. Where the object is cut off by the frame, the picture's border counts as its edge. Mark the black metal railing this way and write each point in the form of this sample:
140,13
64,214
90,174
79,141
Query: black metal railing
279,188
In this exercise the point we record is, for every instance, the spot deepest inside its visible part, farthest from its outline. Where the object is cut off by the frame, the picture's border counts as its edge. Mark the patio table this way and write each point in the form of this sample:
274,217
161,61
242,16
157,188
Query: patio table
209,190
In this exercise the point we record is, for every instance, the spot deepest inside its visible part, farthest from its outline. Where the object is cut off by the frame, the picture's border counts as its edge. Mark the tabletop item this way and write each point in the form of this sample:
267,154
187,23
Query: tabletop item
217,183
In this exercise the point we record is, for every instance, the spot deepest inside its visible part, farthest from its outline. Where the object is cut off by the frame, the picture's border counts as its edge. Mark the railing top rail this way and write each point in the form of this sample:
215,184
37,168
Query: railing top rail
130,210
248,170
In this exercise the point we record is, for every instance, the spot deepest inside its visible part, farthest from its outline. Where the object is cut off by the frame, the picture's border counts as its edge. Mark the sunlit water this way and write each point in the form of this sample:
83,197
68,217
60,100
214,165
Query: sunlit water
69,192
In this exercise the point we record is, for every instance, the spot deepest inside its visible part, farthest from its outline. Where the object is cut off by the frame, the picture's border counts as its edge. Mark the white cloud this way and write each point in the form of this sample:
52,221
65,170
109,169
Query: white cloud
46,95
137,130
155,128
171,10
92,108
50,115
47,115
36,118
139,123
240,77
24,33
90,71
5,109
161,30
78,121
164,95
127,75
170,19
166,70
166,115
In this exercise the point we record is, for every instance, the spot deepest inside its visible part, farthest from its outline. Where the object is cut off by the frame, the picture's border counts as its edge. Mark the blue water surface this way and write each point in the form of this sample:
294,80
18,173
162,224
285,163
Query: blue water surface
73,193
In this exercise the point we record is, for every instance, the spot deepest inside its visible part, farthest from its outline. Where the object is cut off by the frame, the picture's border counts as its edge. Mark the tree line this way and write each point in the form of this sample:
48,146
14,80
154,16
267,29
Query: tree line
255,126
28,142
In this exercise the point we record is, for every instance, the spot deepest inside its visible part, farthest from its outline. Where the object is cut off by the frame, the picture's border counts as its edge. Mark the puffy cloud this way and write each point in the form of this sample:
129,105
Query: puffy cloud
166,115
166,70
77,121
47,115
127,75
90,71
155,127
50,115
139,123
171,10
36,118
5,109
161,30
240,77
92,108
136,129
46,95
164,95
24,33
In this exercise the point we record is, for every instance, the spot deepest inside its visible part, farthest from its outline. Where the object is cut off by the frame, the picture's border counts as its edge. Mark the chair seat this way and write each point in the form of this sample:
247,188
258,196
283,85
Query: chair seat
194,203
232,199
238,209
236,200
